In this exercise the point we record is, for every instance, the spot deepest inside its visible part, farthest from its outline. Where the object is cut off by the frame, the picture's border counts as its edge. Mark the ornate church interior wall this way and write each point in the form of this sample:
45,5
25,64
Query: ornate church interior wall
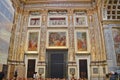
70,33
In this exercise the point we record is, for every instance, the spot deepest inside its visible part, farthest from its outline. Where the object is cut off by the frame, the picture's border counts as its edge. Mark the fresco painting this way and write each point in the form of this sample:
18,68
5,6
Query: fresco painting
33,41
116,39
57,39
81,41
34,21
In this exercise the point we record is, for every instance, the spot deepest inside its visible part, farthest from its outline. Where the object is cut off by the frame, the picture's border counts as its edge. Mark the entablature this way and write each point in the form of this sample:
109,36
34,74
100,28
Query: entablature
43,4
111,22
52,1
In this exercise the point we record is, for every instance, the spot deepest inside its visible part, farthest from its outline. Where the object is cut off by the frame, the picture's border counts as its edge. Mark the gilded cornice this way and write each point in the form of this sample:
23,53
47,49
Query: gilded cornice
50,4
16,3
59,5
111,22
18,6
52,1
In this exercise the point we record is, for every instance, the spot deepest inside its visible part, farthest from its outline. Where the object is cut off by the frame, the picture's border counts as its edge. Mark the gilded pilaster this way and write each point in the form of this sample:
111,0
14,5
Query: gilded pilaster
17,39
10,55
71,36
12,40
43,36
98,18
92,35
23,32
96,35
15,42
101,32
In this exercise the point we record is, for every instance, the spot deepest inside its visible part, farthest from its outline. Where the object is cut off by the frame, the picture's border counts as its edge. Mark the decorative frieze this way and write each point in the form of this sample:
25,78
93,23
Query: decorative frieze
57,12
58,5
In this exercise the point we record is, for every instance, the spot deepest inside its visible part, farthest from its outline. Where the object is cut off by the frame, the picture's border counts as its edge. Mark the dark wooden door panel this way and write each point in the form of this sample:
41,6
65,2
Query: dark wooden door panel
83,68
30,68
56,64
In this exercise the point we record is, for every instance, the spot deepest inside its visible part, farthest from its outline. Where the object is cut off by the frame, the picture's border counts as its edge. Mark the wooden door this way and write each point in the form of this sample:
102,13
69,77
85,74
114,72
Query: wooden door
83,68
57,64
31,68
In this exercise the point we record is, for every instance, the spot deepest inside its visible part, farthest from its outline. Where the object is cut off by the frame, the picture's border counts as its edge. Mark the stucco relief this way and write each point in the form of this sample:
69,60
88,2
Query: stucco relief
71,38
71,43
93,49
71,22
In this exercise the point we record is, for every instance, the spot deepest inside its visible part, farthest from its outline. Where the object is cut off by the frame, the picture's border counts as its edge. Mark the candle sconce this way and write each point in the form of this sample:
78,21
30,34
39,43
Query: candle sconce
41,71
72,72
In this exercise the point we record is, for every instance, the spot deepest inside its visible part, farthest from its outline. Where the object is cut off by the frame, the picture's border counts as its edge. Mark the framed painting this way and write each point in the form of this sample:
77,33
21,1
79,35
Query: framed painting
33,41
41,71
80,21
72,71
57,39
34,21
95,70
57,21
118,59
81,41
116,39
